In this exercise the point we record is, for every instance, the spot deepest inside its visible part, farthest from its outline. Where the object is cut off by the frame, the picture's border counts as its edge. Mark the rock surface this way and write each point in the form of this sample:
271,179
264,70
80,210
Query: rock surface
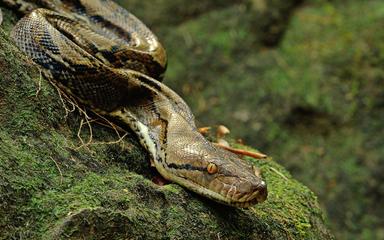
314,99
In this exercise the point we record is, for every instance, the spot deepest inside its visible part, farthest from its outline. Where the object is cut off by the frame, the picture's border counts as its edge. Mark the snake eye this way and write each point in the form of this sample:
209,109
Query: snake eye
212,168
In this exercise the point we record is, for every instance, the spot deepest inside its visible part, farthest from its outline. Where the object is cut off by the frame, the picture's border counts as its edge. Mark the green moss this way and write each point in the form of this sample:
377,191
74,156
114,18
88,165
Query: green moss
314,102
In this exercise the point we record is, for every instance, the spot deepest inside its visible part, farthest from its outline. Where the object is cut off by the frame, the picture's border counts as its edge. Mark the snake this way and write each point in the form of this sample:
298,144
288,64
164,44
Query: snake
109,61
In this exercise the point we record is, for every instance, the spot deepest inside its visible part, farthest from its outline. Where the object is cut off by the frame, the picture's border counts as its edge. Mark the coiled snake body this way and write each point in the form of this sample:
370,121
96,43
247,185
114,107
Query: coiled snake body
111,62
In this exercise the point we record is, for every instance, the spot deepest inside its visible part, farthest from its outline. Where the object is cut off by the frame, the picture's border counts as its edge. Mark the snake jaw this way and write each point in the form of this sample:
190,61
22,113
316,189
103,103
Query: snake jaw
259,195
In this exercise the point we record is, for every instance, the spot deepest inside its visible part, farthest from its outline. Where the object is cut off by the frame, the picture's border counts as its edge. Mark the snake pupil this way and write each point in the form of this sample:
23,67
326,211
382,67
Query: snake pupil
212,168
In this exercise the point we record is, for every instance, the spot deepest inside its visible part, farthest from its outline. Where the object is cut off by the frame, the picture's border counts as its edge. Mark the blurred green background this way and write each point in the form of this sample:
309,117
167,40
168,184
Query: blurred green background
301,80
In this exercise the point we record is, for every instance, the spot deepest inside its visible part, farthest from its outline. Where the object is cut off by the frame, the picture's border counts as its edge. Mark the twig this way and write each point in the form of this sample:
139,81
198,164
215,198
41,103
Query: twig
111,142
79,133
83,144
110,125
279,173
87,120
242,152
58,168
39,83
67,98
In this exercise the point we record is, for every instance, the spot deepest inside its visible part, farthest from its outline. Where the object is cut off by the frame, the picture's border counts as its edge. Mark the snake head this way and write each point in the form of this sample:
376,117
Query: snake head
231,180
213,172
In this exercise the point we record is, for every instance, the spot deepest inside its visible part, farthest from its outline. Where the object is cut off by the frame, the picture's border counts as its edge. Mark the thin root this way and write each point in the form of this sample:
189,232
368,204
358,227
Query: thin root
279,173
67,99
110,142
88,123
110,124
87,120
58,168
39,83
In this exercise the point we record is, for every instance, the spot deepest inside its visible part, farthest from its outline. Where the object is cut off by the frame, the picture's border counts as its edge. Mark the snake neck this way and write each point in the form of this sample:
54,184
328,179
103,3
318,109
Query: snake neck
182,155
146,135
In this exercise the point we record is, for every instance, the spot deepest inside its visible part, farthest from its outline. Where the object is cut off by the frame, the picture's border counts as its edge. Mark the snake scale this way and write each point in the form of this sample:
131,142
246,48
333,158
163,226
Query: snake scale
108,60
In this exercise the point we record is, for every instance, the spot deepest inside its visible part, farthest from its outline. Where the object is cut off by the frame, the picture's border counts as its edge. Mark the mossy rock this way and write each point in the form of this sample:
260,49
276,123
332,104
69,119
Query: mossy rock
55,186
315,101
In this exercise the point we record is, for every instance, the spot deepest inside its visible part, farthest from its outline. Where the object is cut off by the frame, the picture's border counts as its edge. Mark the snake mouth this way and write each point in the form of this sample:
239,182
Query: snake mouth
258,195
231,197
224,195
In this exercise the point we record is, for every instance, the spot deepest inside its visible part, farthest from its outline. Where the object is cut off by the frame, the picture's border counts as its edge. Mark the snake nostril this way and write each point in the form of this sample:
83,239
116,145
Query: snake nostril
262,192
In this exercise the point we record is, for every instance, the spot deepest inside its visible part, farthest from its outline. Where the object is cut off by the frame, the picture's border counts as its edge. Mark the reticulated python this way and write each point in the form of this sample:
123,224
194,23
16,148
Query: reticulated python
108,60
